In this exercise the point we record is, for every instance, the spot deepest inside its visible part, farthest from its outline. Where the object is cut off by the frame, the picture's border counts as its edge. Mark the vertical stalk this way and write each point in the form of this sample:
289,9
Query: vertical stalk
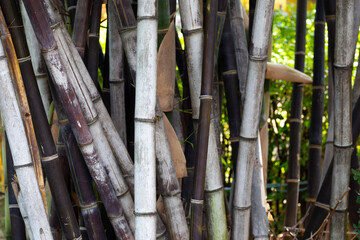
293,174
81,24
204,124
343,60
315,133
48,152
251,118
94,46
19,145
145,101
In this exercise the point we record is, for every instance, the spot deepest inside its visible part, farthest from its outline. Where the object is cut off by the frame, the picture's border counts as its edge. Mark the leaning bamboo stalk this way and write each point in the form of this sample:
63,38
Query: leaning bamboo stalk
37,62
83,186
240,44
49,157
315,133
21,154
94,46
17,222
116,78
251,117
23,102
343,61
293,173
202,143
77,120
168,183
330,8
145,101
81,23
191,21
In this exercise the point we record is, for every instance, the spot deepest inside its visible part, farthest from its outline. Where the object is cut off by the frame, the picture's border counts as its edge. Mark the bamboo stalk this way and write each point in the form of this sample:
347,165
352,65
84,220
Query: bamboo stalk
163,19
285,73
17,222
251,117
293,173
48,152
80,26
23,164
94,47
315,134
343,61
167,181
71,8
77,121
240,44
116,78
204,124
23,102
330,9
145,101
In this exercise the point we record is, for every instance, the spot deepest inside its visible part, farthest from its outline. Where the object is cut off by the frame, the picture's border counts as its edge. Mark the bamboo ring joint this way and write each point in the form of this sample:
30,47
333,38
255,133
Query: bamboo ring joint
315,146
206,97
94,35
24,165
123,193
311,200
151,120
63,121
196,201
86,143
214,190
127,29
343,146
24,59
49,158
13,206
116,80
71,8
330,17
322,205
248,138
139,19
230,72
105,90
300,53
88,206
294,180
295,120
186,32
94,120
145,214
258,58
242,208
2,57
342,66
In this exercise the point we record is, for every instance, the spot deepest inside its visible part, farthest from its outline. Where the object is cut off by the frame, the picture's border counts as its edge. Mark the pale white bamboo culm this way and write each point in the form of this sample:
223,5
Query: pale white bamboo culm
191,22
37,61
342,116
251,116
24,214
145,102
116,78
259,218
19,146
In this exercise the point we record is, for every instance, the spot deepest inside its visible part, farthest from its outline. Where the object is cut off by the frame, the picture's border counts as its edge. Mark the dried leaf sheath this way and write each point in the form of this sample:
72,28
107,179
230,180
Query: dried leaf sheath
48,152
23,102
77,120
23,165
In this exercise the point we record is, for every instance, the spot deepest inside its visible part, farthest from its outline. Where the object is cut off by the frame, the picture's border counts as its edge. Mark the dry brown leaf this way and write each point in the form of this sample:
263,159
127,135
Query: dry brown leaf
282,72
166,64
176,151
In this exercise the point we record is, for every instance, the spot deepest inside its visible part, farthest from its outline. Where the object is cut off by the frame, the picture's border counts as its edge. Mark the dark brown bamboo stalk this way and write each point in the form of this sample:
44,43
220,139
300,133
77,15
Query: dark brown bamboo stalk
81,23
293,174
252,4
77,121
71,8
48,152
315,133
23,102
83,186
94,47
204,123
17,222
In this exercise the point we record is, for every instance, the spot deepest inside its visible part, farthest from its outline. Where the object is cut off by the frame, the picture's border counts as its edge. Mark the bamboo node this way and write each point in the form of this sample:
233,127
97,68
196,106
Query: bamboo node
311,200
186,32
315,146
24,59
148,120
221,13
86,143
24,165
94,120
13,206
320,22
258,58
293,180
82,228
343,146
87,206
248,138
139,19
105,90
234,139
116,80
123,193
127,29
343,66
96,98
330,17
242,208
300,53
214,190
230,72
145,214
319,87
49,158
71,8
323,206
2,57
63,121
196,201
206,97
295,120
94,35
43,50
41,75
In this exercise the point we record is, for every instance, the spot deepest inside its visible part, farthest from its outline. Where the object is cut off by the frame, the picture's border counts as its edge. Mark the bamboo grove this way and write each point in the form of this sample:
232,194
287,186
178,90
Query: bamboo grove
126,142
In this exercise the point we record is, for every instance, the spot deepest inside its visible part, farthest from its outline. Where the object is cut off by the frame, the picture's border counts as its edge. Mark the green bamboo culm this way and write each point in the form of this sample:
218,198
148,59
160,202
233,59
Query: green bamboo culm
204,120
293,173
164,19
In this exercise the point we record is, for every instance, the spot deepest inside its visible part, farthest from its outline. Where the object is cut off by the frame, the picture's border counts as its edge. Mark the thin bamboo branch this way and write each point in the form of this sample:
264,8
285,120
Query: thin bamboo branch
21,154
251,117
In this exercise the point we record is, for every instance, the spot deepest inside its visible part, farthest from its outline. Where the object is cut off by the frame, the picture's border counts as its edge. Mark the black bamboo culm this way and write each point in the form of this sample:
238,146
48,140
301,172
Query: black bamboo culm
77,121
48,152
93,51
80,26
330,10
83,185
293,174
71,8
321,207
54,222
204,123
17,222
315,133
252,4
227,65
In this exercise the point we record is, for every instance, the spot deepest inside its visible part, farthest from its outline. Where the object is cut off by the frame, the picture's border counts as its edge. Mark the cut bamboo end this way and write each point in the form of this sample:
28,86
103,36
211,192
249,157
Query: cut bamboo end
285,73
